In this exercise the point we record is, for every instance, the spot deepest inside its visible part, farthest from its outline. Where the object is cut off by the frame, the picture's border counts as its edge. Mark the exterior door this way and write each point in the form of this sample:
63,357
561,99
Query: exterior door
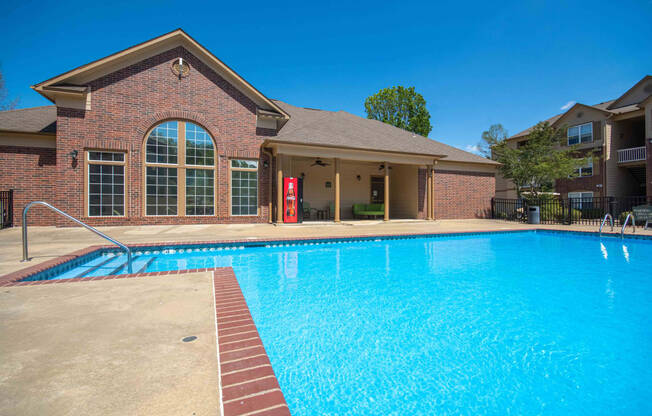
377,190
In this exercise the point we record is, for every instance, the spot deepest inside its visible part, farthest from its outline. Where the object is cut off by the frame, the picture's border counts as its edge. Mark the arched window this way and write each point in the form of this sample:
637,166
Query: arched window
179,170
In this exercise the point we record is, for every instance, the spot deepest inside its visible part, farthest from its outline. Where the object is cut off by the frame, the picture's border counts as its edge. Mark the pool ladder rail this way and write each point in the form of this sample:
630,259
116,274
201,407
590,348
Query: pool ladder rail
604,220
88,227
622,231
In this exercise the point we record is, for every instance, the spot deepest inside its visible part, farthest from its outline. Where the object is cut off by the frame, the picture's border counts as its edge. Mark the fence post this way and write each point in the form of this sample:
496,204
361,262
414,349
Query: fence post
570,211
493,213
10,208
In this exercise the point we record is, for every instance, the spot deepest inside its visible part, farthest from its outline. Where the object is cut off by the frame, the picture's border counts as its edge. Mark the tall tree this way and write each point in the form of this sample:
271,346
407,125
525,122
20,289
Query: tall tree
5,102
490,138
534,166
401,107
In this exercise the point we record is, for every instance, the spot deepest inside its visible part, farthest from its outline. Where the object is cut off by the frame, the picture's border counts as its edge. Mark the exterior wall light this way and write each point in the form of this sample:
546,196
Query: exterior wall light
74,155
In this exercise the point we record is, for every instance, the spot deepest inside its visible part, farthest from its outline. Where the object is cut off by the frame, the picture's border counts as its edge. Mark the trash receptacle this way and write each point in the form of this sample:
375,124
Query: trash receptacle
533,215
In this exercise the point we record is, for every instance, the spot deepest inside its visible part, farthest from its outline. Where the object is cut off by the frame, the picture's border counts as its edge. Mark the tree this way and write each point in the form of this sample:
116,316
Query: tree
401,107
542,159
491,138
5,103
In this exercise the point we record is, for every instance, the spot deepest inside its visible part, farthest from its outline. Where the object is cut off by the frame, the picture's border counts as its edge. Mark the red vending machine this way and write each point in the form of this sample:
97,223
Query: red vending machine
292,200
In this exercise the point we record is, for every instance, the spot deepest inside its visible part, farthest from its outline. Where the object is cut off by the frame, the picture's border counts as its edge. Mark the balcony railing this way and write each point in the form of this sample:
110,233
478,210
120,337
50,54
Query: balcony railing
633,154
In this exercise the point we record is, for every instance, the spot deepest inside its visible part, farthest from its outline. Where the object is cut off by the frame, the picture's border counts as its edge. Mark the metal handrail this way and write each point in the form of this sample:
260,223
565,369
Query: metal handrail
88,227
604,220
622,231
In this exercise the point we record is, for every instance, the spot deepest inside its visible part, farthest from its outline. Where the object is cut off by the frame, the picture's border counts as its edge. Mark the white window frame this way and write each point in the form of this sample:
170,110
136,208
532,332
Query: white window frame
122,163
231,169
588,164
579,195
579,134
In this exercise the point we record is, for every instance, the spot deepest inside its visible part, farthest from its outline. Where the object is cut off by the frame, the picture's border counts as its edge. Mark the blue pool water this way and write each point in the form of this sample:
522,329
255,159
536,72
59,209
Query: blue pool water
527,323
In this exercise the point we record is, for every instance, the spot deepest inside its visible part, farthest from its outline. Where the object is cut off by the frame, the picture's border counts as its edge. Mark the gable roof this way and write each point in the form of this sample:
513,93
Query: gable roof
345,130
76,78
618,101
41,120
613,107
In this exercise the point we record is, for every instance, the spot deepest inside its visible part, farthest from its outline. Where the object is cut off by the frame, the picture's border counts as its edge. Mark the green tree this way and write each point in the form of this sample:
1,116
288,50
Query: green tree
490,138
401,107
543,158
5,102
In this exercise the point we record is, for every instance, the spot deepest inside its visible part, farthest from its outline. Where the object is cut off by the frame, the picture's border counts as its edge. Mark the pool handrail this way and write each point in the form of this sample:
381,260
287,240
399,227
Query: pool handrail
604,220
622,231
88,227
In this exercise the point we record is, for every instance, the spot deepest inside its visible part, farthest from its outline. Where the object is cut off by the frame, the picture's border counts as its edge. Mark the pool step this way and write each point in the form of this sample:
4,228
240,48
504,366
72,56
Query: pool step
92,269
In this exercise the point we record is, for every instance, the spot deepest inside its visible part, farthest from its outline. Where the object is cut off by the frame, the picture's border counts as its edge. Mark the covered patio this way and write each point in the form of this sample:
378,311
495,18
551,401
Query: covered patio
346,184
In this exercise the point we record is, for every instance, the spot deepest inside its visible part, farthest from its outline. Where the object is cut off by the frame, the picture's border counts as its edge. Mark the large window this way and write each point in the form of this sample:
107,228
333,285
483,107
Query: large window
244,187
580,134
179,170
106,184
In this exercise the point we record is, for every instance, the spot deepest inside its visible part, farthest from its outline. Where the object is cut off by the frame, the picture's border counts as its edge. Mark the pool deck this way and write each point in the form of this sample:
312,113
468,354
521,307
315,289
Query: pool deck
114,346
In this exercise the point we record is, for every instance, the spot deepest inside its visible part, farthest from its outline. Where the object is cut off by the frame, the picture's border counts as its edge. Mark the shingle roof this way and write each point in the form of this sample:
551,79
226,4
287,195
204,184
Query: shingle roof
343,129
604,106
30,120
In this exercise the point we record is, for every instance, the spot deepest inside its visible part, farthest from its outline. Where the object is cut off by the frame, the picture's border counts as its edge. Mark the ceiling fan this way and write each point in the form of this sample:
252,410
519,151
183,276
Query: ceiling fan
319,162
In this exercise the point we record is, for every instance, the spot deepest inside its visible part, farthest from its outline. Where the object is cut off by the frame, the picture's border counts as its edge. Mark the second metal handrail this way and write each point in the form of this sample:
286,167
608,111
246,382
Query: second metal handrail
604,220
622,231
88,227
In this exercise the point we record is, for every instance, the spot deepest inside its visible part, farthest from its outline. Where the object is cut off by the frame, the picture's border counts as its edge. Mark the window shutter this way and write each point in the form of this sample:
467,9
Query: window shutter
597,131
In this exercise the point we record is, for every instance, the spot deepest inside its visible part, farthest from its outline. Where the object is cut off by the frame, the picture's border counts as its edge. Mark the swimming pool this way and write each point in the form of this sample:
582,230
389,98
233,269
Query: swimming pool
519,323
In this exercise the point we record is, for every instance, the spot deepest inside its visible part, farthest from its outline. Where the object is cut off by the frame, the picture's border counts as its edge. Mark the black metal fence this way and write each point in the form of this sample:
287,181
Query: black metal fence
553,210
7,208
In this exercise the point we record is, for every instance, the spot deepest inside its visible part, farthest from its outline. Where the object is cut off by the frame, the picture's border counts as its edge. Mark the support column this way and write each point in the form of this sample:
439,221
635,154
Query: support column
386,191
336,214
429,193
432,192
279,189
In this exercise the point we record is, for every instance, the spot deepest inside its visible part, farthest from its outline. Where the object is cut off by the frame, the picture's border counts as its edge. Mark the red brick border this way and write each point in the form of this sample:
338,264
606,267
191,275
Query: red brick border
249,385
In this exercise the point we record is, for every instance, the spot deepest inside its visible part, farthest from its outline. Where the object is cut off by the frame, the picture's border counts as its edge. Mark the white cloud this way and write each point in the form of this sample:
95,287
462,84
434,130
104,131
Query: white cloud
473,148
567,105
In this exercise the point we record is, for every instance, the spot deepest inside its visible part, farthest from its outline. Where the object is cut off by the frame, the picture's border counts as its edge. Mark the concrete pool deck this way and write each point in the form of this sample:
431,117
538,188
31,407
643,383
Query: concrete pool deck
114,346
111,347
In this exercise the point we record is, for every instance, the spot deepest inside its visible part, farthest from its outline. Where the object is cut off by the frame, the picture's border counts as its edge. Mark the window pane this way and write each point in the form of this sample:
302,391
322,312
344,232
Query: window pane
162,143
161,191
244,164
199,192
586,133
199,146
244,189
105,190
106,156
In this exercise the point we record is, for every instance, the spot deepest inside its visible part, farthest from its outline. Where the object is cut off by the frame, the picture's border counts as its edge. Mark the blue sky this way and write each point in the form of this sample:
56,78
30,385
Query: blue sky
476,63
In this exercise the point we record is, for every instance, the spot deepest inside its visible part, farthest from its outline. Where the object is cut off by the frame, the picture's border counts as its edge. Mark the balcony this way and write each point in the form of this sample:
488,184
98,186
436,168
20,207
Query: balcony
631,155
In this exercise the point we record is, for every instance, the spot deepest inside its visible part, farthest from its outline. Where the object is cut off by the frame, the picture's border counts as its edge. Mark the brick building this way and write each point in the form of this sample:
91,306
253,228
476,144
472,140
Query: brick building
165,133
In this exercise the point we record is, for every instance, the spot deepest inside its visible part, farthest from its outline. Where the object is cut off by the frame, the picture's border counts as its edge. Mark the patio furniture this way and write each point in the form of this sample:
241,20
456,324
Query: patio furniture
322,214
368,210
643,213
307,211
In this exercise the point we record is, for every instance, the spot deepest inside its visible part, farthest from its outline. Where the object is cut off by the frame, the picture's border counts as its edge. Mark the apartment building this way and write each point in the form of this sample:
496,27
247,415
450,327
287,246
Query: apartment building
618,133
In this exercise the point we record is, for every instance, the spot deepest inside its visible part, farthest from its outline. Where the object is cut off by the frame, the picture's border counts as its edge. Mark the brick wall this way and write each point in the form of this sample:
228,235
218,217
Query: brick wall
461,195
30,172
128,102
585,183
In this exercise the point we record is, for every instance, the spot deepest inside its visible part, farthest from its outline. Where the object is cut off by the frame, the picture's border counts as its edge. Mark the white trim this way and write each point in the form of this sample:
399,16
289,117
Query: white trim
122,163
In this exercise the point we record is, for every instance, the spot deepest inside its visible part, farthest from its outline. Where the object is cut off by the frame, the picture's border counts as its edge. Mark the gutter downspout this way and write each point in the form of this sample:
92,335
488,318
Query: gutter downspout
271,180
